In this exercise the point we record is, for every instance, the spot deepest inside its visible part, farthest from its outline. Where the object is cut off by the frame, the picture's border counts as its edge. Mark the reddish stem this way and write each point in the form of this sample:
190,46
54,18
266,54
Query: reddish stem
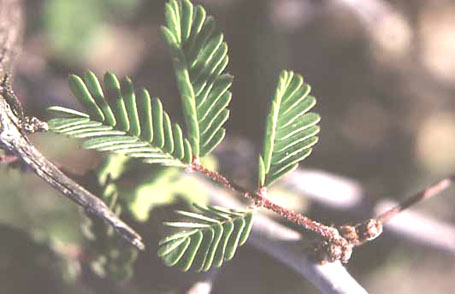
339,242
326,232
429,192
217,177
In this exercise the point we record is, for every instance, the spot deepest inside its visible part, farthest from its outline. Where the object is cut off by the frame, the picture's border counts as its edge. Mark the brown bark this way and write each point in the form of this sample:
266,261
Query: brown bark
11,26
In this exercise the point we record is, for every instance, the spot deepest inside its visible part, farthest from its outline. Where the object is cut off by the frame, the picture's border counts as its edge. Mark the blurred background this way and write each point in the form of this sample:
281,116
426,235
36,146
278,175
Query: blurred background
384,76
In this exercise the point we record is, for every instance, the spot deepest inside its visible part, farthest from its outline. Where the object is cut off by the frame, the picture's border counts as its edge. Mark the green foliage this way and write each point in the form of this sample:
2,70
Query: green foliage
85,19
290,129
208,239
122,121
66,19
200,58
111,256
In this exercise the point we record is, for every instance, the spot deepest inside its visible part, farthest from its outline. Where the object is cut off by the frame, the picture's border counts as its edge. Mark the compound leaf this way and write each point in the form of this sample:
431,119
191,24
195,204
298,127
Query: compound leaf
122,120
209,237
200,58
290,129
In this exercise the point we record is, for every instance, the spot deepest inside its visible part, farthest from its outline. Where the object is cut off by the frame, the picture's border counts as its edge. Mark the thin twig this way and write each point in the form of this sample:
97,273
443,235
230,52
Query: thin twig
349,195
329,233
429,192
340,241
219,178
331,190
421,228
260,200
201,287
204,286
336,245
287,246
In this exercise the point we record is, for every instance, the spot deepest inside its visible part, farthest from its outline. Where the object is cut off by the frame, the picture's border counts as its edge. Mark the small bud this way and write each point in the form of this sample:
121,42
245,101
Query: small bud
330,251
369,230
349,233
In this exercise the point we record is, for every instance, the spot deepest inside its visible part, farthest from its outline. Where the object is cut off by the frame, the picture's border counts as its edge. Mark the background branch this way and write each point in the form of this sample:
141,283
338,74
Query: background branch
11,27
204,286
419,228
337,193
12,136
287,246
341,193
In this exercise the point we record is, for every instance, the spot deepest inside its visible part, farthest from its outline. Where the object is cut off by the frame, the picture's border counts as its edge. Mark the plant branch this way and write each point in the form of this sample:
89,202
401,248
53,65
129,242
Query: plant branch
340,193
286,245
204,286
201,287
334,191
421,228
218,178
335,245
13,140
429,192
339,241
260,200
13,135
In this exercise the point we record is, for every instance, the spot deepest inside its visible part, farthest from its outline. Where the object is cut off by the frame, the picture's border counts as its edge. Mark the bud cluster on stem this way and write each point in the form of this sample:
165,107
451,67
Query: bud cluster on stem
337,243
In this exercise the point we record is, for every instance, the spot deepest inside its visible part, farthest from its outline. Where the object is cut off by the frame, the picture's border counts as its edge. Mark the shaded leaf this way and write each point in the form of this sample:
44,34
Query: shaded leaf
214,236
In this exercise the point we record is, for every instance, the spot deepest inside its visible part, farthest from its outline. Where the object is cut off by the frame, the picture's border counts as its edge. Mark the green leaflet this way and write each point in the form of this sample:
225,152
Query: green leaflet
122,120
200,58
290,129
209,238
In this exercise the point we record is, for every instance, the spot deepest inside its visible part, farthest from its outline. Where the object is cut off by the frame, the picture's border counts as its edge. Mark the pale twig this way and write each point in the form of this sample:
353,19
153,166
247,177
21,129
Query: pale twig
287,246
411,224
201,287
13,133
331,190
204,286
429,192
420,228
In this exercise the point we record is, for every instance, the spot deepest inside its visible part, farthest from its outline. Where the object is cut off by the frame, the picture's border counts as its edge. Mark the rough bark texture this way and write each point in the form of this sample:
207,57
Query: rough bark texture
11,26
13,135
